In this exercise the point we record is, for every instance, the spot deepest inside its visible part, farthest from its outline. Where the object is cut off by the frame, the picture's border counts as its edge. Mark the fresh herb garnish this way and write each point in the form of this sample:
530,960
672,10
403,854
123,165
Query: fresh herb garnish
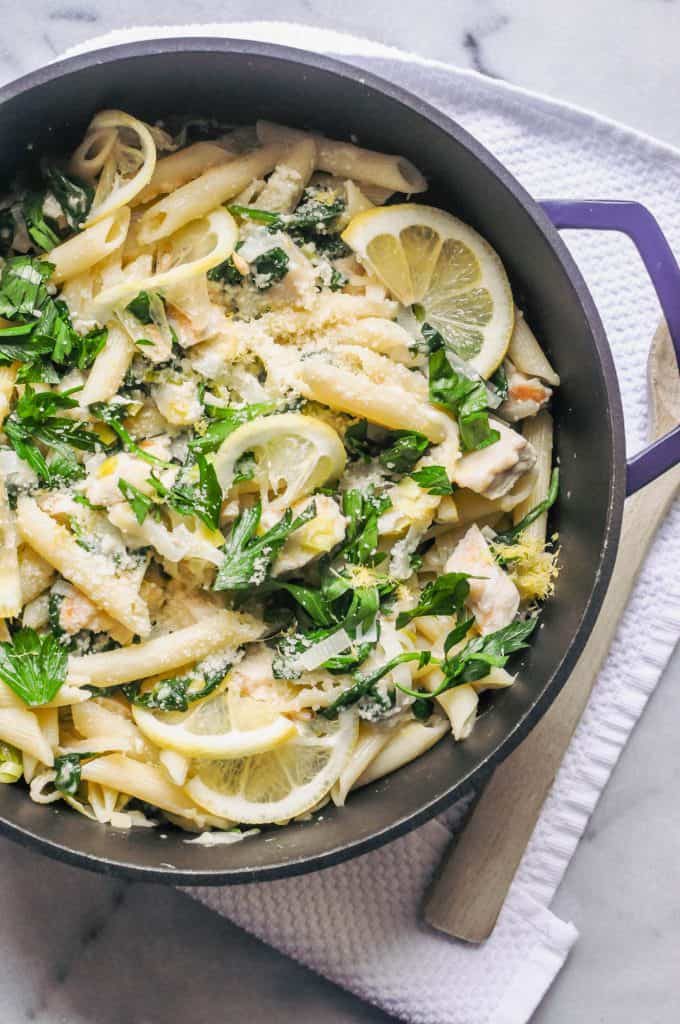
226,272
499,380
140,307
202,499
140,503
467,399
248,559
244,468
33,421
509,536
33,666
361,538
433,479
444,596
224,422
112,415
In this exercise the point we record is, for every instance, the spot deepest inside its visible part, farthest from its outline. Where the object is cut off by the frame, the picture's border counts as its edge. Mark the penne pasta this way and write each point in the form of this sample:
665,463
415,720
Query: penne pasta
96,243
164,653
203,195
143,781
11,596
8,376
539,432
287,182
22,730
94,574
346,160
109,368
406,744
175,170
527,355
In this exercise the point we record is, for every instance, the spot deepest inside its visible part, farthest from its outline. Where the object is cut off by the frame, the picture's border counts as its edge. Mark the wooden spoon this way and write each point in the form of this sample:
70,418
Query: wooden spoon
470,887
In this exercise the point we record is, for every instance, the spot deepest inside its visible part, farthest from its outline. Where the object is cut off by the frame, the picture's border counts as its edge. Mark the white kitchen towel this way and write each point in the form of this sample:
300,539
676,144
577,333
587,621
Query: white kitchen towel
358,923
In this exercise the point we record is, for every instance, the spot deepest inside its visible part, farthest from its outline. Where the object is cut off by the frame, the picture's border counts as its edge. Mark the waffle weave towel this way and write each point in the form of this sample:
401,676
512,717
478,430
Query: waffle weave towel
357,923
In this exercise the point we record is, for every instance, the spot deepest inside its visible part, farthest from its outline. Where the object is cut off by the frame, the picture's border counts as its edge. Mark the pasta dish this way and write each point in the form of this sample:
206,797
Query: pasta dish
276,462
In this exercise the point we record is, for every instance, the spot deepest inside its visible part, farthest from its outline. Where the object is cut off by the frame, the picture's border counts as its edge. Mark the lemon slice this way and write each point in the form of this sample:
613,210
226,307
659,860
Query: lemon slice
284,782
427,256
226,725
291,455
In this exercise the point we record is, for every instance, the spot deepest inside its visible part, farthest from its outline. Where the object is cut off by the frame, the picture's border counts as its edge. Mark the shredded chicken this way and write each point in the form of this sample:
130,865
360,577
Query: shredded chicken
493,471
526,395
493,597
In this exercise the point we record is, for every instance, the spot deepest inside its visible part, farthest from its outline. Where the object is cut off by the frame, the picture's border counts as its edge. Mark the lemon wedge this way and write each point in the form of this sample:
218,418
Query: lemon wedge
290,455
226,725
282,783
429,257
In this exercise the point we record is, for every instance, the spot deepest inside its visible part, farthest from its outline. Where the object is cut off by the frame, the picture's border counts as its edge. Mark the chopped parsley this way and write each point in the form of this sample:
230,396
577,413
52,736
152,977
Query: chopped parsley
33,666
269,267
467,399
34,421
433,479
248,558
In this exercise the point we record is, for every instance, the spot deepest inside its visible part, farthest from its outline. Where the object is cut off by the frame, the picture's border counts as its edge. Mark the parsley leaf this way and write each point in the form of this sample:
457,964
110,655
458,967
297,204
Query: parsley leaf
444,596
33,420
112,415
203,499
248,559
140,503
433,479
224,422
33,666
467,399
508,536
363,512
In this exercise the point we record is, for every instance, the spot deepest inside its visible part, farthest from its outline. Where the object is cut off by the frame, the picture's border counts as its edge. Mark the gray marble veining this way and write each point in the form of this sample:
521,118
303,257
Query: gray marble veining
81,949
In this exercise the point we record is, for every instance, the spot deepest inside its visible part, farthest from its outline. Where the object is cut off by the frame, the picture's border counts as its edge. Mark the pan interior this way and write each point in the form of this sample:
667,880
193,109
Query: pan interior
242,82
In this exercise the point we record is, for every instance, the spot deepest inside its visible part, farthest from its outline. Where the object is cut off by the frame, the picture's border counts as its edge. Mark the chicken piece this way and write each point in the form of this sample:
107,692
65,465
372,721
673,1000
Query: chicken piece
493,471
178,403
526,395
493,597
101,484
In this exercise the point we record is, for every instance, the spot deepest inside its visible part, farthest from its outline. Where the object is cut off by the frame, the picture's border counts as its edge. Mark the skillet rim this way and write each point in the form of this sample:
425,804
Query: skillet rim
344,70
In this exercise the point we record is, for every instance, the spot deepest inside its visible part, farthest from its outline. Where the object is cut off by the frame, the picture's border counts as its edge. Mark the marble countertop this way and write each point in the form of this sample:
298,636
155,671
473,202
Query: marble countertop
82,949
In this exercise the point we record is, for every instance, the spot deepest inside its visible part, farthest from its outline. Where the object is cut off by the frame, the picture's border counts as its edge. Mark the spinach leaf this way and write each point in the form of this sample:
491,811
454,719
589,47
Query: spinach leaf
433,479
364,685
226,272
248,559
509,536
444,596
406,449
140,307
467,399
73,195
33,666
68,769
269,267
203,499
177,694
38,227
363,512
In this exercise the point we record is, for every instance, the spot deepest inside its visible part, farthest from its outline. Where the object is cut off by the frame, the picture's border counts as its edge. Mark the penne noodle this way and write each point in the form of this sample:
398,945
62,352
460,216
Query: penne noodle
34,572
372,739
92,573
143,781
286,184
346,160
405,745
539,432
175,170
207,242
203,195
21,728
164,653
527,355
109,368
78,254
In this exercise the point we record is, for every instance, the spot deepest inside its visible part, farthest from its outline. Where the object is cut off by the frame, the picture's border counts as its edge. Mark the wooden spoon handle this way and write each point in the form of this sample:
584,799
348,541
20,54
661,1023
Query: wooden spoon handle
468,892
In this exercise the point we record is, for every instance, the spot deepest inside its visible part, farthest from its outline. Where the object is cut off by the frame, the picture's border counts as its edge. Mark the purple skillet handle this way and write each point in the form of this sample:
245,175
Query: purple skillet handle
638,223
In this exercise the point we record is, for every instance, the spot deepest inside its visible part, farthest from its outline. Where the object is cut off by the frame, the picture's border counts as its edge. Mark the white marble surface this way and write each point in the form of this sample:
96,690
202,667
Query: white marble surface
79,949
